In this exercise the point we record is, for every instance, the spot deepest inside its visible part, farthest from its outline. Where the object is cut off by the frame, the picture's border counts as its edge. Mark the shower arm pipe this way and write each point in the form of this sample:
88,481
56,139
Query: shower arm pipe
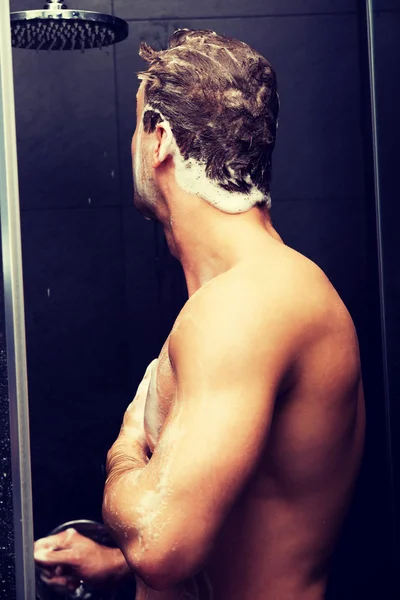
15,321
50,4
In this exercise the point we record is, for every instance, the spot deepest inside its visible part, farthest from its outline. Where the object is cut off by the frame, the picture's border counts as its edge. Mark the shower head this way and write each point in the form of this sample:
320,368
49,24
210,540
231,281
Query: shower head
56,27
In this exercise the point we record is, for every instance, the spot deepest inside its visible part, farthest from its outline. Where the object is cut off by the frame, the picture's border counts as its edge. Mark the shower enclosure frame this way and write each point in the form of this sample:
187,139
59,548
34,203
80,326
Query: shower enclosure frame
15,322
381,269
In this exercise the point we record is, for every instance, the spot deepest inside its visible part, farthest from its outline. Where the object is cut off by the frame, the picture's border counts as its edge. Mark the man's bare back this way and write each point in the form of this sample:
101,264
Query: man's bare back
279,535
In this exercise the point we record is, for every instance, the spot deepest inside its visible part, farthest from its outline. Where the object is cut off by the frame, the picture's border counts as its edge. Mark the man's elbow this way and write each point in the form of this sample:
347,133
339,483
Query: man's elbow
156,572
157,578
161,568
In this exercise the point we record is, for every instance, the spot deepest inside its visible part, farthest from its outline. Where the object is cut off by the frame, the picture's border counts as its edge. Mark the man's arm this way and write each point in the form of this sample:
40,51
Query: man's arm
68,557
130,450
166,513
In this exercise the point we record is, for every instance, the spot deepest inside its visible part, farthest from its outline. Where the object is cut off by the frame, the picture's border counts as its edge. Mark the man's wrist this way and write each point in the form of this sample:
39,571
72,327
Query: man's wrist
119,567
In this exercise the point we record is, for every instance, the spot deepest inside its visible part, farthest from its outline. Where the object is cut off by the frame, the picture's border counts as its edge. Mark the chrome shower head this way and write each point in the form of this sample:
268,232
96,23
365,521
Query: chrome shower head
56,27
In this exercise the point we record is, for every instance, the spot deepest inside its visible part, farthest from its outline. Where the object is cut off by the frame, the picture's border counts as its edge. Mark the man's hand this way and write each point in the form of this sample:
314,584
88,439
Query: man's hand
68,558
133,423
130,450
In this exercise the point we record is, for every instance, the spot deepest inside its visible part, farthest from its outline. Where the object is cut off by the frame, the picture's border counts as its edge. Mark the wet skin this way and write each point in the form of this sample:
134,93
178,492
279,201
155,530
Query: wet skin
236,461
286,450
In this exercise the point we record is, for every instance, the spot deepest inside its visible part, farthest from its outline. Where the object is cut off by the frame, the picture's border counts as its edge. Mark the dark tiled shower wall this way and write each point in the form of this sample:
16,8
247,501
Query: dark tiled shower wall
73,261
101,288
142,9
386,5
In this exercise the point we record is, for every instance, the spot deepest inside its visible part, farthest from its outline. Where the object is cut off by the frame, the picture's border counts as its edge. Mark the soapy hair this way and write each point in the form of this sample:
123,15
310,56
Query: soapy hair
220,99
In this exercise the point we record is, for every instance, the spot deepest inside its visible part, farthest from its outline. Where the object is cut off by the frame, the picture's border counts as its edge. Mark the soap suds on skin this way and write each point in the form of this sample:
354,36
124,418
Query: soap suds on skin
143,183
155,504
153,417
138,159
191,177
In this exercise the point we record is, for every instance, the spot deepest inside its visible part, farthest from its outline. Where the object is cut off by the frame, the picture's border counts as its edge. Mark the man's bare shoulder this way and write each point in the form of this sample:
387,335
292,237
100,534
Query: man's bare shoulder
263,312
280,293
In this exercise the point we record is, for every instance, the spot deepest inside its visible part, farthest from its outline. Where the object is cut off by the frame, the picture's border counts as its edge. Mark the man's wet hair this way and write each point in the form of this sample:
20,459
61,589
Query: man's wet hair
220,99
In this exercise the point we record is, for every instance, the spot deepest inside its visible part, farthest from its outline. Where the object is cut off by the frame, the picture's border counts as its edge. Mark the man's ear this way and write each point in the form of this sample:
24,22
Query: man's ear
165,143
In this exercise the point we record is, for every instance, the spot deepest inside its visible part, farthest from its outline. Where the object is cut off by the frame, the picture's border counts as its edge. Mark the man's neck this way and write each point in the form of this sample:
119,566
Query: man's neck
208,242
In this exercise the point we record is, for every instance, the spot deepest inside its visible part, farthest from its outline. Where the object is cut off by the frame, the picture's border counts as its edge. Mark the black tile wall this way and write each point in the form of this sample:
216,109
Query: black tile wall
77,355
387,55
142,9
66,129
69,447
73,273
386,5
143,315
73,278
155,289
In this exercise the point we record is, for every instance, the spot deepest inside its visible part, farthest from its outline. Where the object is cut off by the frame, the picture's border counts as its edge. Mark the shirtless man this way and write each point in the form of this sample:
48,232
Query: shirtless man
237,459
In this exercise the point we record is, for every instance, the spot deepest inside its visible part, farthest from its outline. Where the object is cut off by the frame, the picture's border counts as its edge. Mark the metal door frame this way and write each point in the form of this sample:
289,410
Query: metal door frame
15,321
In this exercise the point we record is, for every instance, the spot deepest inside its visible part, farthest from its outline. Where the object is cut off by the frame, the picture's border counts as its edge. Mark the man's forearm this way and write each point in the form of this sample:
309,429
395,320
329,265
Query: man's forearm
127,483
130,450
125,455
126,460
